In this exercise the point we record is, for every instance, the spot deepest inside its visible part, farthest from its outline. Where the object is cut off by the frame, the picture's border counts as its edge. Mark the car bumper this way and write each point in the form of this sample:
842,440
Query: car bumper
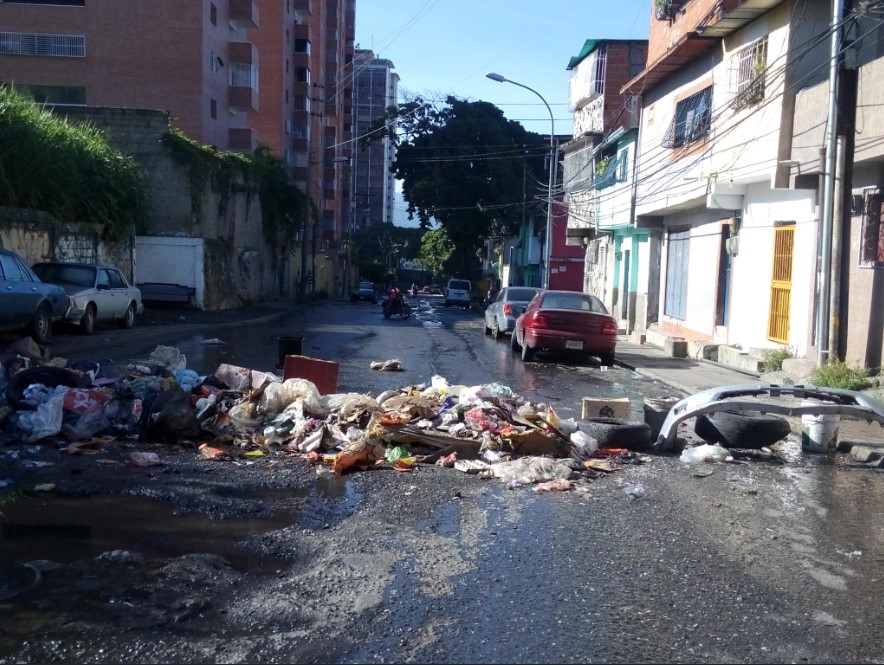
559,341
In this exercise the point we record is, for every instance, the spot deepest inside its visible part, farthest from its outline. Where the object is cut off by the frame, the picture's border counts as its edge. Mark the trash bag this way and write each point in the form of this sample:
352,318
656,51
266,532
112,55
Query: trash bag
364,454
584,444
277,396
187,379
168,416
529,470
169,357
46,420
346,405
704,453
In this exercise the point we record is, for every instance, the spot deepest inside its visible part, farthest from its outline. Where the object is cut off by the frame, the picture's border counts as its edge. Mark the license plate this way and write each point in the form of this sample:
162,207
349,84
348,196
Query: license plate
573,344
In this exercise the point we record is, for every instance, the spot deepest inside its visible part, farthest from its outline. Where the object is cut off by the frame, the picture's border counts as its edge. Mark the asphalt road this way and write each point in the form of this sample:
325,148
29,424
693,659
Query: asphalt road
774,559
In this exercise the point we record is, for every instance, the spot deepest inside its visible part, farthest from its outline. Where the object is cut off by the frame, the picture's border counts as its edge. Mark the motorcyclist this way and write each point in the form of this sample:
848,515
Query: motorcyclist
395,298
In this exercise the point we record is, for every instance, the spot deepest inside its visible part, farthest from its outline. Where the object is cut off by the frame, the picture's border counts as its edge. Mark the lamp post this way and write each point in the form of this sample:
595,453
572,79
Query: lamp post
547,250
307,206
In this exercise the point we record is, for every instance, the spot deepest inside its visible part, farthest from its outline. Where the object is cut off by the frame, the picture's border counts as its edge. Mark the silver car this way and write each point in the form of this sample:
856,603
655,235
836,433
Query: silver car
26,303
501,314
99,293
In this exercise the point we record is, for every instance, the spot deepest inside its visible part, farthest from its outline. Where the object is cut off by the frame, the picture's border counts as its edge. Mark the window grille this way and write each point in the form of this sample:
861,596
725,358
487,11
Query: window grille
748,73
26,43
243,75
871,251
692,121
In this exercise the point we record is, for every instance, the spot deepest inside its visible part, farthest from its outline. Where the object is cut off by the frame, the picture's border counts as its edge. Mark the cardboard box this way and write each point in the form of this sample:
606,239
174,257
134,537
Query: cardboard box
607,407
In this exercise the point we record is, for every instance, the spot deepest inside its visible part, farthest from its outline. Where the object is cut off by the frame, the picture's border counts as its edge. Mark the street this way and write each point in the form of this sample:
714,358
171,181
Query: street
774,558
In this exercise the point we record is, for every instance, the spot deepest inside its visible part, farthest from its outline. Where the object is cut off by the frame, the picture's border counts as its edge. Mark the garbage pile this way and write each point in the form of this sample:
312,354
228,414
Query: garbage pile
238,413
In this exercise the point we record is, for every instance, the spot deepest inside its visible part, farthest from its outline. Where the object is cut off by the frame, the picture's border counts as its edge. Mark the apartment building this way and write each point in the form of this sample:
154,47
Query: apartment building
598,177
376,88
233,74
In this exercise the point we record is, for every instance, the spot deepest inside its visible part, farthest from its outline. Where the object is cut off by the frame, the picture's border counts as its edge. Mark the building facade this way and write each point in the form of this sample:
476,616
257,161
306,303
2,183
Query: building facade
376,88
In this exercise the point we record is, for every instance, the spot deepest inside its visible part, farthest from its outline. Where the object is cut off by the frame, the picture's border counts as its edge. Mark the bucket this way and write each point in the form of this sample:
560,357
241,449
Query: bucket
289,346
819,434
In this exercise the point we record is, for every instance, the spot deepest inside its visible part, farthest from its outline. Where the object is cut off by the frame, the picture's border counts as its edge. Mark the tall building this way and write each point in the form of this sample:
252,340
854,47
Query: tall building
376,89
234,74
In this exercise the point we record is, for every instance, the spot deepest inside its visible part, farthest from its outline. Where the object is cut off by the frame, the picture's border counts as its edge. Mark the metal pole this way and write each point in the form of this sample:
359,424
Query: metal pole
822,322
304,230
547,248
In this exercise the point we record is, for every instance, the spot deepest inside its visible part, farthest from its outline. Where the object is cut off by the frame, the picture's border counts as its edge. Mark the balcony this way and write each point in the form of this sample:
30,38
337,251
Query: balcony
242,139
305,6
243,99
244,53
666,10
243,14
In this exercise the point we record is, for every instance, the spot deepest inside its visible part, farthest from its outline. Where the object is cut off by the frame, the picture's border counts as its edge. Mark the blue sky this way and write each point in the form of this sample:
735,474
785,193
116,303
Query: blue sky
442,47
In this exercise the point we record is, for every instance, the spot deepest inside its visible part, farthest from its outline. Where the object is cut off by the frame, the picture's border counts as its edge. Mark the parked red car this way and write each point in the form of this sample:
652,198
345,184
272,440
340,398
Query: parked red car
566,321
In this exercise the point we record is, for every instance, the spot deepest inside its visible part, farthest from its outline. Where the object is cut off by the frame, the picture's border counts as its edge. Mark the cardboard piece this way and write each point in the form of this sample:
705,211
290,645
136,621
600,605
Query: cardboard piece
322,373
606,407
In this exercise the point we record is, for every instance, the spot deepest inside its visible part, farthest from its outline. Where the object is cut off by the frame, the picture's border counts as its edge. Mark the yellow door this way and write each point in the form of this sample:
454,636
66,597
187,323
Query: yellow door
781,285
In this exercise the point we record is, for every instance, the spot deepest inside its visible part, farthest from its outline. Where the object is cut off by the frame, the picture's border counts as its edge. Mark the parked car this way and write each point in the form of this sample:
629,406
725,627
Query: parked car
98,293
501,314
457,292
566,321
26,303
365,291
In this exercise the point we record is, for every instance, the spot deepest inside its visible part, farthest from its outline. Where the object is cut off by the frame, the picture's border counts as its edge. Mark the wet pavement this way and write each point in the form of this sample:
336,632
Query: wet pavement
772,558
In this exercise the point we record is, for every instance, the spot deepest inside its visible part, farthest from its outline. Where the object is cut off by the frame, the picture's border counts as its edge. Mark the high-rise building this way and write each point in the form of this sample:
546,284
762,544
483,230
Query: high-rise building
376,89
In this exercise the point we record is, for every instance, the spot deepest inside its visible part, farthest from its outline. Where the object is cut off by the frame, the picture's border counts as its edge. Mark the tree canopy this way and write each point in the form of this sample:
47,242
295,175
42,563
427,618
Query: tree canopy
466,166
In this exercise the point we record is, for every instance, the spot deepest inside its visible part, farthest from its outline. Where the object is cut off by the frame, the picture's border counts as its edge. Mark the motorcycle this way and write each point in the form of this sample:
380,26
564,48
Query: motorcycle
400,307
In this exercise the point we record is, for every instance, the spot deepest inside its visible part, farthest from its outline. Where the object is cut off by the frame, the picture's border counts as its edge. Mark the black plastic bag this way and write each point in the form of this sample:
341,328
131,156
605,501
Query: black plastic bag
168,416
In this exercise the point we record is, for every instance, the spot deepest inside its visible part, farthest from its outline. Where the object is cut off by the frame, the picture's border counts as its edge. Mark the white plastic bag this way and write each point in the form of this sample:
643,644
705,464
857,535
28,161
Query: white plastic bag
584,443
169,357
529,470
47,419
349,404
705,453
277,396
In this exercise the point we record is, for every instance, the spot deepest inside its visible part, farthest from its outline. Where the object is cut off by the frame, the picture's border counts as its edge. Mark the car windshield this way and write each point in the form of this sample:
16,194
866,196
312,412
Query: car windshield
520,295
459,284
577,301
366,285
58,273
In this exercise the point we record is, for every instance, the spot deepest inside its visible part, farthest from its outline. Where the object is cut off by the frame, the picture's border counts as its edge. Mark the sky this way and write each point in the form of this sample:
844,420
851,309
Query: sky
442,47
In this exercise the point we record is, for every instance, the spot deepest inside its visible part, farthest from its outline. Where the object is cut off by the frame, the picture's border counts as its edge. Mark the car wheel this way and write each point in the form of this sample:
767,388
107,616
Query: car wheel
41,325
617,433
495,330
527,353
486,329
49,376
514,342
607,358
734,429
128,320
87,323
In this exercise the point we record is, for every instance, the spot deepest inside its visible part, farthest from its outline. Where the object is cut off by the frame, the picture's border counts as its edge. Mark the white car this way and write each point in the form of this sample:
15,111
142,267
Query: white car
458,292
98,293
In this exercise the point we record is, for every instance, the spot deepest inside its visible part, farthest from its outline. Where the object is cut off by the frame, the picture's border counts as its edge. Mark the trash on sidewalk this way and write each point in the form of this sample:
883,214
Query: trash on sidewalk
144,459
705,453
388,366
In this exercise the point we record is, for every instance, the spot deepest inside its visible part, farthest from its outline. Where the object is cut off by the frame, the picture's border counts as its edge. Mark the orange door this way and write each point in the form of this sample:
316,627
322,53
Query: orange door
781,285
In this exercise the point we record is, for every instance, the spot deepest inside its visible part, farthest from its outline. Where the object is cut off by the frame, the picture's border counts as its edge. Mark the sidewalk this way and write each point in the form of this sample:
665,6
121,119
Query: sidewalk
858,437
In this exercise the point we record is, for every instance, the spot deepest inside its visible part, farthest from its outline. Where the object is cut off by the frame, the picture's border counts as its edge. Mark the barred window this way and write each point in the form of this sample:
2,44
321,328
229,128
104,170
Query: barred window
748,73
243,75
27,43
871,251
692,121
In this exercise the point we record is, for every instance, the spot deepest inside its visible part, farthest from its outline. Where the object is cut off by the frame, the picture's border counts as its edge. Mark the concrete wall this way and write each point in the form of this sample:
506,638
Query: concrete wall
37,236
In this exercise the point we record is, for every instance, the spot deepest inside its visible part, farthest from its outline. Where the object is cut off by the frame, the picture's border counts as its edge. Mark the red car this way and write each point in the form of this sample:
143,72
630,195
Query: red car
566,321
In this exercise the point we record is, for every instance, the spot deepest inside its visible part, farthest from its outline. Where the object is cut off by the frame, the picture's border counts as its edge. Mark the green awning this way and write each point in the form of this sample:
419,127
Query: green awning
588,47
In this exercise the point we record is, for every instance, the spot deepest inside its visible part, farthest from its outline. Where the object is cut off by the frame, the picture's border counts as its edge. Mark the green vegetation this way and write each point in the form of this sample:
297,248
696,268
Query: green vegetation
67,170
839,374
436,251
773,358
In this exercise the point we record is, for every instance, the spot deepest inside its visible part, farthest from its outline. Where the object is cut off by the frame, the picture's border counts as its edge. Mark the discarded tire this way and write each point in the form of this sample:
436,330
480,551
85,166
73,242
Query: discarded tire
735,429
617,433
49,376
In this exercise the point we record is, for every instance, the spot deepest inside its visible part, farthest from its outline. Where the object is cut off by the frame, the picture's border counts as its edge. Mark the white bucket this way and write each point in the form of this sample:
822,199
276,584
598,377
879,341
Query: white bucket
819,434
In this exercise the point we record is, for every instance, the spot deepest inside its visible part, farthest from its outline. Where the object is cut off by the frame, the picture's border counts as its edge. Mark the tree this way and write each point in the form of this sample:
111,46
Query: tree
464,165
436,251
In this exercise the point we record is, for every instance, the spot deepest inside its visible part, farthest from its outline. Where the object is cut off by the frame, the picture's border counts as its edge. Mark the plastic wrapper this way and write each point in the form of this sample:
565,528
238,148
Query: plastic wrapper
555,485
481,420
362,454
277,396
349,404
499,390
567,426
187,379
77,426
243,416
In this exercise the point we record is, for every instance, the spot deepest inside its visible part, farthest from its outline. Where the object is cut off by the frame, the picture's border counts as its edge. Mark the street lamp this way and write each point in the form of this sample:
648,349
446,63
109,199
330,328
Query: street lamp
547,251
310,164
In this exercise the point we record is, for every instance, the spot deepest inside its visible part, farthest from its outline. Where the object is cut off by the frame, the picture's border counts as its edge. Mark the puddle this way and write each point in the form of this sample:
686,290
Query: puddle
71,529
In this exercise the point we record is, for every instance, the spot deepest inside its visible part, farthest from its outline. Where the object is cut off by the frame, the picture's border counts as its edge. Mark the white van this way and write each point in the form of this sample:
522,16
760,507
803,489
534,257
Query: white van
458,292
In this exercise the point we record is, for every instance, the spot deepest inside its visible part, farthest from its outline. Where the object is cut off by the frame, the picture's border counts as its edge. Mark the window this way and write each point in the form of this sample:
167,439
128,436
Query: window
116,279
871,250
302,74
213,13
748,71
60,3
693,117
213,109
243,75
12,269
27,43
103,279
302,46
